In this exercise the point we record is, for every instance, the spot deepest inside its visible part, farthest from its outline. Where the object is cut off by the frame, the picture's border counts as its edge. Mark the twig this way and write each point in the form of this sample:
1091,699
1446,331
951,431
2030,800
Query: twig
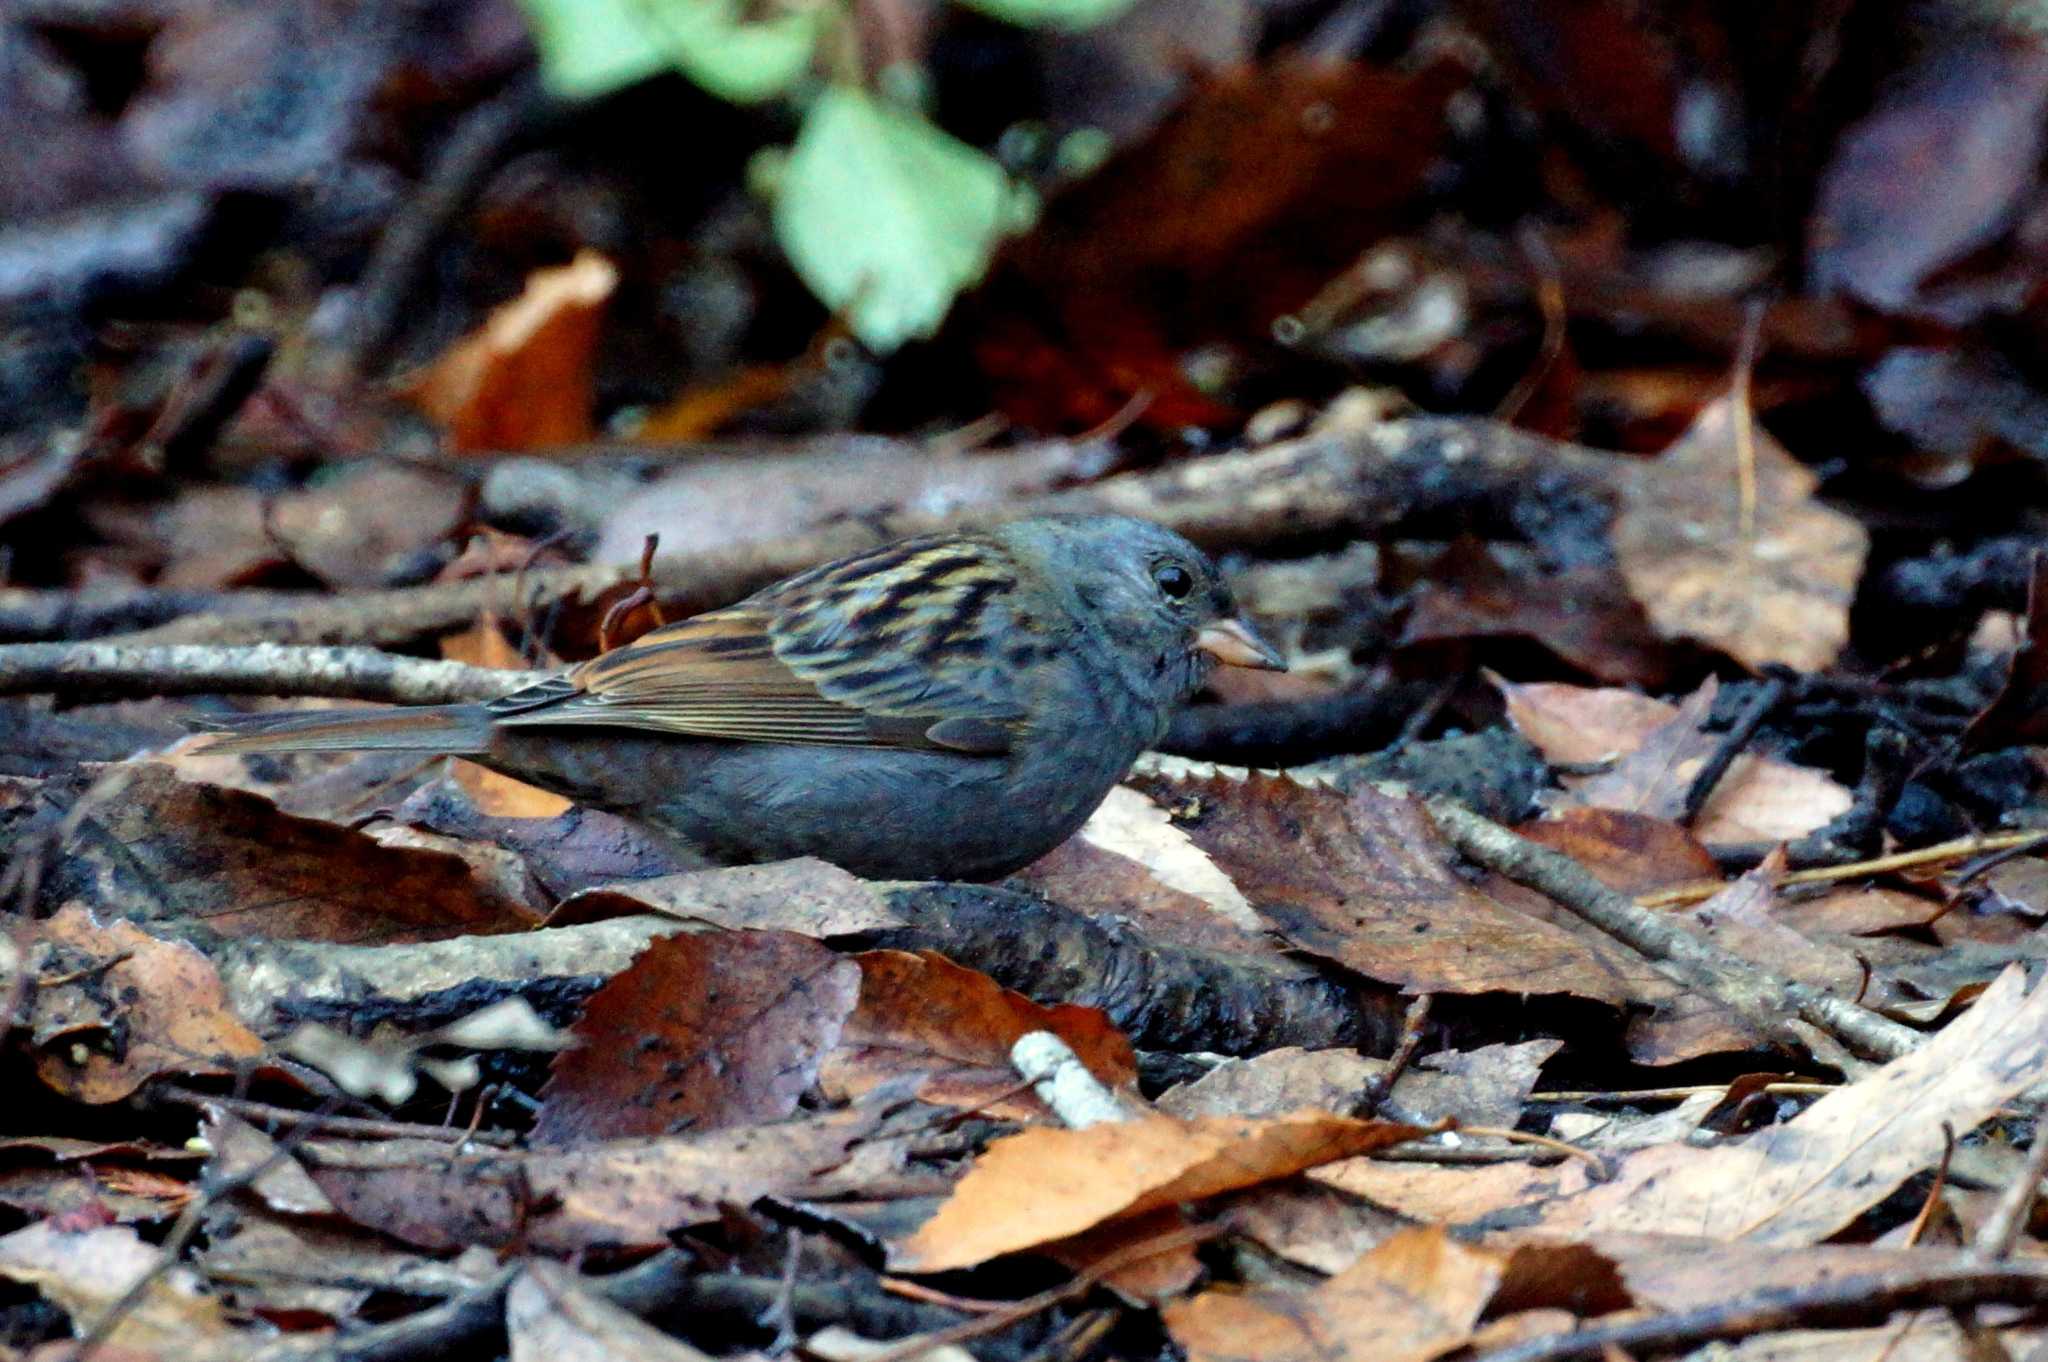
1745,418
354,1126
1381,1085
1932,1200
1699,891
1766,699
112,670
1063,1082
1838,1303
1766,1000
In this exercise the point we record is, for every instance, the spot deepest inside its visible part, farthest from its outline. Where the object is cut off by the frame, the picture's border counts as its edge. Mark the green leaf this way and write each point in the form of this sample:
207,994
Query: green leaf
1052,13
592,47
885,217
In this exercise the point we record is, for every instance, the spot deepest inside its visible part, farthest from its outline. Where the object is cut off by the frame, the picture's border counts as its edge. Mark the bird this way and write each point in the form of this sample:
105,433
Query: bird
950,706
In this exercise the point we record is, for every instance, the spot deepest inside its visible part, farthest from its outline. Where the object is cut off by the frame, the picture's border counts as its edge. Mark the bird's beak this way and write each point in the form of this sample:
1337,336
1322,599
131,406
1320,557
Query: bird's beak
1233,643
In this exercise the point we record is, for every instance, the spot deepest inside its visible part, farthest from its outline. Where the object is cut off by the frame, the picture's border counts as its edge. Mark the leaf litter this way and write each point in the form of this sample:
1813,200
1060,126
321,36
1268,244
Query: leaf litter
376,353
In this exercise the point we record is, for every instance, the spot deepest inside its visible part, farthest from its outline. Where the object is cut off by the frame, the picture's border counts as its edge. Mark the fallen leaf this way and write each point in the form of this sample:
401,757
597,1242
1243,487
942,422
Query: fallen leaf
1415,1297
1366,880
702,1031
1936,171
1039,1186
1661,749
805,896
524,380
1772,587
1583,614
619,1194
922,1014
1630,852
167,849
1795,1183
117,1007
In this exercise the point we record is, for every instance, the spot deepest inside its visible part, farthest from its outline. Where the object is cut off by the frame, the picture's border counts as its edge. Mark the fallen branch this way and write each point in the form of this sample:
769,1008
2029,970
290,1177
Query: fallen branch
118,671
1363,482
1766,1000
1840,1303
1163,997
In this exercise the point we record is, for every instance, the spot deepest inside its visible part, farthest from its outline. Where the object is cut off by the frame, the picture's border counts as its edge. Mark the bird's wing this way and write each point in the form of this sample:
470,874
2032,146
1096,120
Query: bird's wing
903,647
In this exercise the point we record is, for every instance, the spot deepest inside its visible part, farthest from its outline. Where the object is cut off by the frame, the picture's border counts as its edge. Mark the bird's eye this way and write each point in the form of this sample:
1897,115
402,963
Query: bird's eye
1175,580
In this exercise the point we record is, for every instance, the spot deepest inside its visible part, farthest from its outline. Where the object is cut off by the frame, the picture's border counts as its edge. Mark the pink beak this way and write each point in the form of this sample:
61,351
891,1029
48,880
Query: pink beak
1235,644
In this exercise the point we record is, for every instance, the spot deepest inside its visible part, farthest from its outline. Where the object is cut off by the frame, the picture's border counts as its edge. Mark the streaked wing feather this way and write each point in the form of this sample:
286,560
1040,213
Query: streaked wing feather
801,662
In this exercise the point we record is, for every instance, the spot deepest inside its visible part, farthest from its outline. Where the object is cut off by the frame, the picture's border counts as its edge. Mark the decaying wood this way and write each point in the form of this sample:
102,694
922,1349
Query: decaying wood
1163,997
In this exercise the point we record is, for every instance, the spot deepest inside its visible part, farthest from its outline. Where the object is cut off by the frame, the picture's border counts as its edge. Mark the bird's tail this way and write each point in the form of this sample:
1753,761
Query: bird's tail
433,728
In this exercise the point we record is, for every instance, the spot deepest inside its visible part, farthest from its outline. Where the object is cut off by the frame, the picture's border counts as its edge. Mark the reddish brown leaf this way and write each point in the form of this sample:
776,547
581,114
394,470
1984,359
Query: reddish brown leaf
1759,799
1584,615
704,1030
922,1014
1264,184
1631,852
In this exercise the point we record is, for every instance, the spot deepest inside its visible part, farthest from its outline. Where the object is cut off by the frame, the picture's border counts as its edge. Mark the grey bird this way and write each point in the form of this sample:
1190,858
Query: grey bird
945,707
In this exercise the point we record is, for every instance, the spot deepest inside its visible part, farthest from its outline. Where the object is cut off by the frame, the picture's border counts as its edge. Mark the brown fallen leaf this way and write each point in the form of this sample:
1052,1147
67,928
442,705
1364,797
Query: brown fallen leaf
703,1031
1584,614
1486,1086
1936,171
168,849
1795,1183
1366,880
1745,918
1130,860
116,1007
1413,1298
1662,748
620,1194
1770,583
524,379
1031,1189
922,1014
1632,852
